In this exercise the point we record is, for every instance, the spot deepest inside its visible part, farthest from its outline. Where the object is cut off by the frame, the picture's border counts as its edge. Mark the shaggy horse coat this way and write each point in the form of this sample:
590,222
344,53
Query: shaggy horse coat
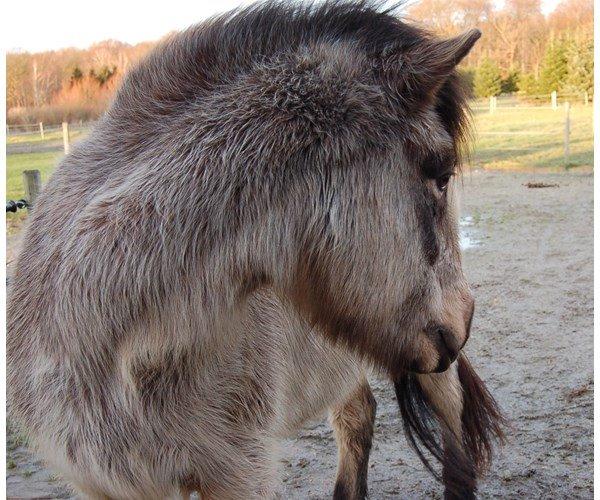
265,212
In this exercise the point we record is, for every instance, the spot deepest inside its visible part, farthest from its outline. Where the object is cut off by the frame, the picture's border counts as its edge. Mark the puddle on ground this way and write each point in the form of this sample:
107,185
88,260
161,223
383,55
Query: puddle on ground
468,236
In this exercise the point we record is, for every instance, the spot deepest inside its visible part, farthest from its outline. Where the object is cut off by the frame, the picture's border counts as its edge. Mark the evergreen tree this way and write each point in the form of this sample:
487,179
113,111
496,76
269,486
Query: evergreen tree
528,85
580,66
76,75
554,67
488,81
510,82
105,74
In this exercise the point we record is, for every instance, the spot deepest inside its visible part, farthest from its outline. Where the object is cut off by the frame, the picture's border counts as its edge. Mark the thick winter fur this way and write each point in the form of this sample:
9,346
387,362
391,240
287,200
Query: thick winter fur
261,214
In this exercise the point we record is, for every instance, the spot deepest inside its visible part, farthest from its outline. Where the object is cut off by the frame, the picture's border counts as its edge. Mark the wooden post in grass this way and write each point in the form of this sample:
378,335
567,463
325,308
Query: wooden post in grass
65,127
42,130
554,100
32,181
567,132
586,98
492,104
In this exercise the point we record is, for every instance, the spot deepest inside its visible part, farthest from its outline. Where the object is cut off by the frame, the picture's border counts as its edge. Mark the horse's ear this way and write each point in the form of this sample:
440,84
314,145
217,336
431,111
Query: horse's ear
446,54
416,73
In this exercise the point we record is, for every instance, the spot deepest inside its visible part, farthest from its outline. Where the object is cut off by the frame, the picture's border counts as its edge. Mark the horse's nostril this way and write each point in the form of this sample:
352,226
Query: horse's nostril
449,342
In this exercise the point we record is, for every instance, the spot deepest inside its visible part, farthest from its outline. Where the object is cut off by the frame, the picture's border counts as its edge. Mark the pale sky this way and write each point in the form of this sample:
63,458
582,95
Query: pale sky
38,25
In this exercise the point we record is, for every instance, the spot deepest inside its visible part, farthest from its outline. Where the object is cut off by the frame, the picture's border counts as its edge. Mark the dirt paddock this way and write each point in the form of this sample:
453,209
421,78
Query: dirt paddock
531,269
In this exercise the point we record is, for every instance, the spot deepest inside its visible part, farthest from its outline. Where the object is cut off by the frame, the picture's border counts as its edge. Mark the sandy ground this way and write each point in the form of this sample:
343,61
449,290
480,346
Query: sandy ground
531,270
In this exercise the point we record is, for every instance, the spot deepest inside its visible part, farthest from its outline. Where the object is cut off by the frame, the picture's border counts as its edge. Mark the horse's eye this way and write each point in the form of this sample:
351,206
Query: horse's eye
442,182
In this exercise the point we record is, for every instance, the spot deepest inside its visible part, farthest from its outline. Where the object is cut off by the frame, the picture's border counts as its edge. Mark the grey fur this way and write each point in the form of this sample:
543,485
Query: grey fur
238,240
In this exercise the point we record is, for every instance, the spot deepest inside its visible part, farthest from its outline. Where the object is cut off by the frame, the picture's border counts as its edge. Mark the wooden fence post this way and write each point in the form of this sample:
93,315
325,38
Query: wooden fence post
586,98
42,130
65,128
567,132
554,100
32,181
493,104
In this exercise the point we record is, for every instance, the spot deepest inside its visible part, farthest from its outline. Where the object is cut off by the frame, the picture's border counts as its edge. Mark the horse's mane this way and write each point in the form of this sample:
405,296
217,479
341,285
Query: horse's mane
192,64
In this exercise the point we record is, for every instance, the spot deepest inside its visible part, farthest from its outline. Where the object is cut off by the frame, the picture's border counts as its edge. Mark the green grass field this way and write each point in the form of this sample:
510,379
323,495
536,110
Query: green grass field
522,139
15,165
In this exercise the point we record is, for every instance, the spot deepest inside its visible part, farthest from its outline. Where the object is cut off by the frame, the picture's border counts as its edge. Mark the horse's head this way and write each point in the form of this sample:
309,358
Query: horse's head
379,264
335,136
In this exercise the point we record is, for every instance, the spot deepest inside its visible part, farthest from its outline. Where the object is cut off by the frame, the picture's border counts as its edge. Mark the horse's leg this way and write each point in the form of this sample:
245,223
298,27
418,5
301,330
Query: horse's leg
352,422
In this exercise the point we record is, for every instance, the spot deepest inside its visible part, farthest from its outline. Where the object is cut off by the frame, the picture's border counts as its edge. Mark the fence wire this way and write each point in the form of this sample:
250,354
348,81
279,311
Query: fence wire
533,137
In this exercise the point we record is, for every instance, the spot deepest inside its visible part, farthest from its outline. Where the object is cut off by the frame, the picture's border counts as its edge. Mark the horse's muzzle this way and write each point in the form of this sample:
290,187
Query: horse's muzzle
445,343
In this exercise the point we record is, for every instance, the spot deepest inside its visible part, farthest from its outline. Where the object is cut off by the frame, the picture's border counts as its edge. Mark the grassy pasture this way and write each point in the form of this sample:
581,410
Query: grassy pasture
532,138
45,162
510,138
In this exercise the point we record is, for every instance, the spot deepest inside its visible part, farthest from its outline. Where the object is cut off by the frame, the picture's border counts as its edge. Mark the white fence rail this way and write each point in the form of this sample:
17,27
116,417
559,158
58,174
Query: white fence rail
33,136
42,129
553,101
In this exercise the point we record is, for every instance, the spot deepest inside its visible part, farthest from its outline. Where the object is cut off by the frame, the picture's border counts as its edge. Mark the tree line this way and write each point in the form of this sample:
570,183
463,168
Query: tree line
521,51
68,84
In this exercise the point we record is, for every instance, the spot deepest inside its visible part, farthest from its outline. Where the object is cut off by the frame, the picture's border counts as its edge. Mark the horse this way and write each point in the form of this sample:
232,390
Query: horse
265,214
